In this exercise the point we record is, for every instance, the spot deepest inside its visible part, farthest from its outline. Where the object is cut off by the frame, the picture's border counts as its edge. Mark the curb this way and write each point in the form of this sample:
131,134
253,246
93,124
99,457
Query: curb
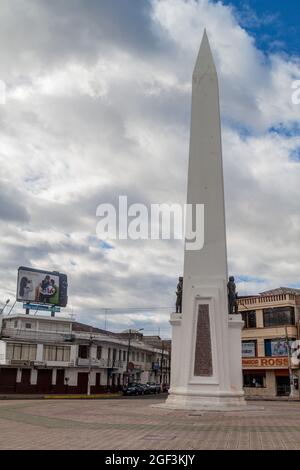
60,397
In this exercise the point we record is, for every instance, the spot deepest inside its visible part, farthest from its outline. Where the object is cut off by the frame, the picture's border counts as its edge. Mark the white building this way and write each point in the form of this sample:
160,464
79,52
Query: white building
40,354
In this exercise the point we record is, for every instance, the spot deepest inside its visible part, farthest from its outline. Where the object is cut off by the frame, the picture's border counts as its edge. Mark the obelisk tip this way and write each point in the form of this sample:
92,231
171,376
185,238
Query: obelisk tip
205,62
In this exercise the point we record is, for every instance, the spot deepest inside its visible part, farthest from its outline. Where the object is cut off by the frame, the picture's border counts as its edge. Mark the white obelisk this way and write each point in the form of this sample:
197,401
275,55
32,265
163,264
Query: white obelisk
206,366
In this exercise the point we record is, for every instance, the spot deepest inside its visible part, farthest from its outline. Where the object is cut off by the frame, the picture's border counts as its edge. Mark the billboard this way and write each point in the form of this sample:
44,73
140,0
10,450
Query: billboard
43,287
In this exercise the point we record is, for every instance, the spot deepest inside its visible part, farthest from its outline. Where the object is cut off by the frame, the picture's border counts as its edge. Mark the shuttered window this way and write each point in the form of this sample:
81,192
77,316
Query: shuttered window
21,352
57,353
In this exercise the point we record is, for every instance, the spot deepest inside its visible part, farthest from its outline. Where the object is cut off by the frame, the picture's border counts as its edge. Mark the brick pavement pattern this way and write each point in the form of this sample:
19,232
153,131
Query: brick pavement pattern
134,424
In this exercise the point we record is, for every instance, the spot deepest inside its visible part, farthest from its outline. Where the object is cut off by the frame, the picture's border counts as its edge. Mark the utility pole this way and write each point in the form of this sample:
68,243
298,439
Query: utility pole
105,317
161,364
90,364
293,392
128,351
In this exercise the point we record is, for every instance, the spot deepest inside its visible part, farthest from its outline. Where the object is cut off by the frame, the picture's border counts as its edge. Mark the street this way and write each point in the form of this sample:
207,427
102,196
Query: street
132,423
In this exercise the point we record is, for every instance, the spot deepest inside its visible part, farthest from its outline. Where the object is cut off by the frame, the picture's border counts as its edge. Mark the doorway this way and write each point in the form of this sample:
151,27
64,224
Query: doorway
283,386
82,382
44,381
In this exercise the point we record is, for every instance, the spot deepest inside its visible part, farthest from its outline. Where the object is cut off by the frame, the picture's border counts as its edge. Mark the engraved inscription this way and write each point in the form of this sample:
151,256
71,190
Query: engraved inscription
203,355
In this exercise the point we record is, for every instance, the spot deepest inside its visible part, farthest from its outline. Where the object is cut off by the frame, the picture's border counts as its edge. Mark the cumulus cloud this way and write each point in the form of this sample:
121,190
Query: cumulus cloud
98,105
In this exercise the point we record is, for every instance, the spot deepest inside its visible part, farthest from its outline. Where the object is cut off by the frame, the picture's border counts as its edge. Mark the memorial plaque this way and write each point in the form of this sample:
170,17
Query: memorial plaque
203,354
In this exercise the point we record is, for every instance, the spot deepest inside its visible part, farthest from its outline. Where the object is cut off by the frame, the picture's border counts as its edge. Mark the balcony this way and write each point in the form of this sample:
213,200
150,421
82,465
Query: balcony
101,363
35,336
261,301
16,362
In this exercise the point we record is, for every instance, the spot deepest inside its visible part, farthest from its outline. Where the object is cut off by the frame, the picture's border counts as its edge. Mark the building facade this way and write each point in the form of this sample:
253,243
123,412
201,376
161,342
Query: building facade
271,321
54,355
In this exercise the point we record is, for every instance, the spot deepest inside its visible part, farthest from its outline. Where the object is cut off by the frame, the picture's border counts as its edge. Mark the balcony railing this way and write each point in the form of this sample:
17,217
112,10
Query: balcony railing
34,335
260,299
102,363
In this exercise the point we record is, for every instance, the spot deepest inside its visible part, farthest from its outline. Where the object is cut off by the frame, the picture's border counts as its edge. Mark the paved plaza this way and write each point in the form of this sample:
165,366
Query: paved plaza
134,424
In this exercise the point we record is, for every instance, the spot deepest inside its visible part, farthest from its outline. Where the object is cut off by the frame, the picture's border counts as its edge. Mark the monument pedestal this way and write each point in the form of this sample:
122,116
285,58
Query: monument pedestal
206,349
193,392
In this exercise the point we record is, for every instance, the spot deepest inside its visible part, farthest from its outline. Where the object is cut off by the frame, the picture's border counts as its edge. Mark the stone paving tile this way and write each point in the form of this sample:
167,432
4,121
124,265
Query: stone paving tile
134,424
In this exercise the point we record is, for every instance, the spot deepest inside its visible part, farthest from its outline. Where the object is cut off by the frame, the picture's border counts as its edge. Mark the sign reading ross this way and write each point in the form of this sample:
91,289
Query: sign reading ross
42,287
265,362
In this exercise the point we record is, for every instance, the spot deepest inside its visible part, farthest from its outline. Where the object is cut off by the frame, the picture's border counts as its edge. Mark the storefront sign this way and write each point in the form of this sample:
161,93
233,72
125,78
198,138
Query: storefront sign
265,363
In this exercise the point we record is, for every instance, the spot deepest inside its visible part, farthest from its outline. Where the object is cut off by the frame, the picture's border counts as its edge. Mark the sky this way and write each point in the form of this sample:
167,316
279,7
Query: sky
98,105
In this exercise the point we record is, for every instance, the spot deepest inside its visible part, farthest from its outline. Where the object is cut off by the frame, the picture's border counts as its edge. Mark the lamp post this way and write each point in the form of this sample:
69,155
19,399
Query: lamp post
161,364
6,303
293,392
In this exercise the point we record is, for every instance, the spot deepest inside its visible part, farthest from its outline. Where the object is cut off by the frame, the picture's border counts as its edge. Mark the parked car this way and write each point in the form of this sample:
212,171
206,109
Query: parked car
153,387
134,389
131,389
141,388
146,388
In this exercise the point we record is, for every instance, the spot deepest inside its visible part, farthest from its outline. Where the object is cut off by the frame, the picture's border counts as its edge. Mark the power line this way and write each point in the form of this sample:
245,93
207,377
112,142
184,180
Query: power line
136,308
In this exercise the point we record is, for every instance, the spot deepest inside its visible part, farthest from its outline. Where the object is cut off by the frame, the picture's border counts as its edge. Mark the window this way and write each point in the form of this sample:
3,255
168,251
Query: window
249,348
143,357
138,356
114,354
99,352
148,357
277,347
16,324
249,318
26,352
98,379
83,351
28,325
124,355
120,355
57,327
255,379
279,316
108,353
133,355
56,353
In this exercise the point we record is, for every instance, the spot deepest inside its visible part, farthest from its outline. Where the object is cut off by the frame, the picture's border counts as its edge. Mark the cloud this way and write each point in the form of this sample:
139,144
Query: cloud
98,105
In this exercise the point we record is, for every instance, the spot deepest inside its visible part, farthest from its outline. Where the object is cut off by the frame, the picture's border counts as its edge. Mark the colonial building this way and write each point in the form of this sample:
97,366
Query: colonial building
40,354
271,320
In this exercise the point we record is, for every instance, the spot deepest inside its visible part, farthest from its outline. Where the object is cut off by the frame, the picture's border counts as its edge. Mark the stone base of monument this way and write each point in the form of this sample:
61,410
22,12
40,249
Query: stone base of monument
199,380
203,403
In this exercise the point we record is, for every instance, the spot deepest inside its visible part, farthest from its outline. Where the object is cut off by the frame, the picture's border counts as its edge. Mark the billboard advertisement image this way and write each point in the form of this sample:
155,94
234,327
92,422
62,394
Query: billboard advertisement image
39,286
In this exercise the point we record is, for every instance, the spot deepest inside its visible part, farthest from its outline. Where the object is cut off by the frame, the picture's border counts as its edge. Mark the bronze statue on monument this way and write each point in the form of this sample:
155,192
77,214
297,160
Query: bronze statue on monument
233,307
179,295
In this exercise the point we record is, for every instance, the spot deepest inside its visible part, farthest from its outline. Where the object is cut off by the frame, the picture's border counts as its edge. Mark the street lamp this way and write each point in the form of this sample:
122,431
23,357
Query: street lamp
6,303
